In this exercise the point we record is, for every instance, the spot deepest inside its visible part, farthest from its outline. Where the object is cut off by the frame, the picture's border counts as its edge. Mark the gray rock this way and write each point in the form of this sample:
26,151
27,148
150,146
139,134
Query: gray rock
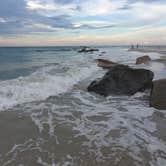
158,94
122,80
143,59
105,64
86,49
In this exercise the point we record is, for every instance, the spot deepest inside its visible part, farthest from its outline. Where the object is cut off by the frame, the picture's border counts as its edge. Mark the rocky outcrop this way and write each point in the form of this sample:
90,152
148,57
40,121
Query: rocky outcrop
158,94
86,49
105,64
122,80
143,59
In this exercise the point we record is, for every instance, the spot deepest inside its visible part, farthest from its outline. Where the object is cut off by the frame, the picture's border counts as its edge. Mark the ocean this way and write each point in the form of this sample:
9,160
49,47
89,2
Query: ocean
47,117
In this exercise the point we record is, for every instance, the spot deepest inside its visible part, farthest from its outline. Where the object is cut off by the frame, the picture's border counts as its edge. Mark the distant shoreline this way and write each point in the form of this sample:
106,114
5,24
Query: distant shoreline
145,49
88,45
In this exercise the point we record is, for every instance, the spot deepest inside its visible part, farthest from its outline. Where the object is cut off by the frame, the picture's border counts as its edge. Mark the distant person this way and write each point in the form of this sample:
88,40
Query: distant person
132,46
137,46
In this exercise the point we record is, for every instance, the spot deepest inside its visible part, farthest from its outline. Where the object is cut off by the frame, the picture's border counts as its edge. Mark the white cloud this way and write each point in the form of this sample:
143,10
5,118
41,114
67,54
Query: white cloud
87,7
34,5
2,20
44,27
92,23
101,7
50,6
137,10
148,11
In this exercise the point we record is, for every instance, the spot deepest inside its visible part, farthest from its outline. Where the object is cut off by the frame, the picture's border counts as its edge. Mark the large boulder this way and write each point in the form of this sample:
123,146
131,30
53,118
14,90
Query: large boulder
158,94
143,59
105,64
122,80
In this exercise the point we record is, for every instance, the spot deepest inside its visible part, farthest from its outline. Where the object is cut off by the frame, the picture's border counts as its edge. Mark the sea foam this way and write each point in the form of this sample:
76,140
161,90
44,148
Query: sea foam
41,84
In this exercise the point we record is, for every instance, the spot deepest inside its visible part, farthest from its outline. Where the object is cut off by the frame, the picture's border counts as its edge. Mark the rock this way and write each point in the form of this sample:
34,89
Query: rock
102,53
122,80
86,49
143,59
106,64
158,94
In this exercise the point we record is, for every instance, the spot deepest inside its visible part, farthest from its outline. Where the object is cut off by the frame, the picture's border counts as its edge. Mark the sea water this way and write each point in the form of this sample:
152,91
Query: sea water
47,117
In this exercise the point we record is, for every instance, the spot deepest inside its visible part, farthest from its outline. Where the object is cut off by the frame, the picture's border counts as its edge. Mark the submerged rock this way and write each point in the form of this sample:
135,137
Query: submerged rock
143,59
122,79
158,94
102,53
106,64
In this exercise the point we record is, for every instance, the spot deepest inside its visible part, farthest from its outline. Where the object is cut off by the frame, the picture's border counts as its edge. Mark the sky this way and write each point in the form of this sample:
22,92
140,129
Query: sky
82,22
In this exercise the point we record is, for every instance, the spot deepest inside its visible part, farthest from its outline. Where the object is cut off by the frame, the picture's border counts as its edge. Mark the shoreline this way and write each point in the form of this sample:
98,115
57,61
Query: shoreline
150,49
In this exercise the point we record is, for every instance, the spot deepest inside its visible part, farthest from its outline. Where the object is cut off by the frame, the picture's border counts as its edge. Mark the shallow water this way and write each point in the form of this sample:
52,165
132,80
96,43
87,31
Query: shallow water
48,118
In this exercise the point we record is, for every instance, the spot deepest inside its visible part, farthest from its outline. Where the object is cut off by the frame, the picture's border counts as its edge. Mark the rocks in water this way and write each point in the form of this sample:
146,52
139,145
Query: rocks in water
143,59
87,49
122,80
158,94
105,64
102,53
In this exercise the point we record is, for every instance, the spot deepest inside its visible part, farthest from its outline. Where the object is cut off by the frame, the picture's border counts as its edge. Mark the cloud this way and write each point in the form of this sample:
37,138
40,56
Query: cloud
27,17
141,14
73,7
101,7
146,11
34,17
2,20
95,24
51,7
16,18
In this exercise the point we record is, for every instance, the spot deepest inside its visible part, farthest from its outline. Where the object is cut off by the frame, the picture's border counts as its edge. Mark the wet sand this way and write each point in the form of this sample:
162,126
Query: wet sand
21,142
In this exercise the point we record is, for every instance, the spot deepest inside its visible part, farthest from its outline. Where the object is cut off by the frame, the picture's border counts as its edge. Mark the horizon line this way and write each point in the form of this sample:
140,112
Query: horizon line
94,45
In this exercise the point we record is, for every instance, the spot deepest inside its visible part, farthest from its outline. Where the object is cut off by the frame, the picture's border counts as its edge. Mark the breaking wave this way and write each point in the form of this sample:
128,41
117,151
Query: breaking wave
41,84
